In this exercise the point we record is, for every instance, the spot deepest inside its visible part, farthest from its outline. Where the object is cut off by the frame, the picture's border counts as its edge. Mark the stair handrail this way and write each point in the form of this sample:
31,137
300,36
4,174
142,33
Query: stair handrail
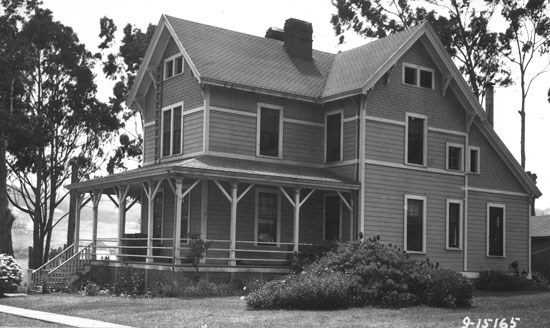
84,249
66,250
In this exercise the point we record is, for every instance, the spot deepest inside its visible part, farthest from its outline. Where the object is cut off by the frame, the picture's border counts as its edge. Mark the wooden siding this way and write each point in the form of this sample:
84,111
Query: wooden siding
437,148
517,232
384,208
149,144
192,132
303,143
385,142
232,133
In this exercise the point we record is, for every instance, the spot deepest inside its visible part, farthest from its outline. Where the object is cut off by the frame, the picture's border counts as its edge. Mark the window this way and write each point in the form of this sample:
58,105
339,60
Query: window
267,217
418,76
454,224
332,218
454,157
173,66
496,227
158,214
184,229
415,145
172,126
333,137
415,223
269,134
474,160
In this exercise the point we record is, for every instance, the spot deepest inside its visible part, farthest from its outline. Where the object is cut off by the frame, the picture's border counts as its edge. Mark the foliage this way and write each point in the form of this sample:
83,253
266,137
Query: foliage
129,282
11,274
197,249
499,281
462,27
367,273
184,287
306,291
310,254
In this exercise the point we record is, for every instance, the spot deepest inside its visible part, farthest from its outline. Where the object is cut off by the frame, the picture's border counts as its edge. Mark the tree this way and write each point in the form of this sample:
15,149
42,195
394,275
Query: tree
123,67
62,122
13,52
461,26
527,36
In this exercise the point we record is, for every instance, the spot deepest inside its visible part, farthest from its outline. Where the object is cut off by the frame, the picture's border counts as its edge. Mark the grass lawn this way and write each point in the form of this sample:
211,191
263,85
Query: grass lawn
533,310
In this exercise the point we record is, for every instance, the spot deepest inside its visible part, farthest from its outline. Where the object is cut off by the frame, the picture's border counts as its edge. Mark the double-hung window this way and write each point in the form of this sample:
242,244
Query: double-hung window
333,137
267,217
418,76
172,128
269,131
473,165
415,143
455,155
454,224
173,66
415,224
496,229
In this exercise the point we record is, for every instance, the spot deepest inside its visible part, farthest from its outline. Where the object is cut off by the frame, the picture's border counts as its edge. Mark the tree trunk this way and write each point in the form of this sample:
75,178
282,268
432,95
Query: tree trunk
37,244
6,218
72,206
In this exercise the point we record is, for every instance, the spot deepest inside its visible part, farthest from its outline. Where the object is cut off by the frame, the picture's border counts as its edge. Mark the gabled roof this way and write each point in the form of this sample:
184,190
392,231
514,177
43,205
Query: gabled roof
540,226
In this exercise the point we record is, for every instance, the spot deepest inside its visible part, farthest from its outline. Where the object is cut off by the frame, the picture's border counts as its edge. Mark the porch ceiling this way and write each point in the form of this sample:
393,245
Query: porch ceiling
226,169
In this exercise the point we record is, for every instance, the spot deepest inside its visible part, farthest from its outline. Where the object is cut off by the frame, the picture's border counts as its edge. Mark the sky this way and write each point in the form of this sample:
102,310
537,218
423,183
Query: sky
256,16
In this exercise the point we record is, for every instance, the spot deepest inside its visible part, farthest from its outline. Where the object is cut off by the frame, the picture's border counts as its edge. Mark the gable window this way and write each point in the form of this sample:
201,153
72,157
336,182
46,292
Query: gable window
454,156
415,145
418,76
172,127
415,223
333,137
474,160
173,66
454,224
496,229
267,217
185,215
269,133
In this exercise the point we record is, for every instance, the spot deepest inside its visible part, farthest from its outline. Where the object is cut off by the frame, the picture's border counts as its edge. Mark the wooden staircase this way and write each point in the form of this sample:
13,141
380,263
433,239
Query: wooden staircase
60,271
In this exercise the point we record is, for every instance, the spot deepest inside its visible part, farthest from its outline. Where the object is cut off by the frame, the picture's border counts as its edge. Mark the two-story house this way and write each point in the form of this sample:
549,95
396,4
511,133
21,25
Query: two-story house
263,146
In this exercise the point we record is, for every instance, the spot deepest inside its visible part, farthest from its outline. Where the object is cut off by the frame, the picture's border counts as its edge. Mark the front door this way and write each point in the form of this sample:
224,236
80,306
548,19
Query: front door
332,218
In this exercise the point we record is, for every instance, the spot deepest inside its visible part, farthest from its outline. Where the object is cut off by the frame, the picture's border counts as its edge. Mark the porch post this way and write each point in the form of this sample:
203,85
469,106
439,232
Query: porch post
77,209
96,197
233,225
122,192
150,204
177,221
297,206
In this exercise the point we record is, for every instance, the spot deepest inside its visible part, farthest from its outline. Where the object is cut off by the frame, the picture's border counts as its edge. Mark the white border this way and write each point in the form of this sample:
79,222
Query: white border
425,139
171,109
173,59
258,126
460,223
503,206
461,160
327,114
424,200
418,68
278,223
478,162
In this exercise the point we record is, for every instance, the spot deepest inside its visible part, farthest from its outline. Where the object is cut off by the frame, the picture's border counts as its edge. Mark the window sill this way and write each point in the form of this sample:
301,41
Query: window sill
416,252
417,165
417,86
451,249
171,77
496,256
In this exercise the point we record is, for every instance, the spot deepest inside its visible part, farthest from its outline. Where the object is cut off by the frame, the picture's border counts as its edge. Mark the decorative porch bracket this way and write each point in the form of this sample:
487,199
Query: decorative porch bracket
96,198
349,205
445,84
297,204
180,196
234,200
151,190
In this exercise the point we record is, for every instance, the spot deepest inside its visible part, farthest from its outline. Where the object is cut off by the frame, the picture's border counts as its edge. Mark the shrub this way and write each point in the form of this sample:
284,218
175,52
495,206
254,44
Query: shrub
197,250
91,289
189,288
441,287
497,280
11,274
311,253
307,291
129,282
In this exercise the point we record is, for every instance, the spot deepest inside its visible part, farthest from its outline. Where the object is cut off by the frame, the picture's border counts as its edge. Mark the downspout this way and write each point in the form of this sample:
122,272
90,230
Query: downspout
361,160
531,199
470,119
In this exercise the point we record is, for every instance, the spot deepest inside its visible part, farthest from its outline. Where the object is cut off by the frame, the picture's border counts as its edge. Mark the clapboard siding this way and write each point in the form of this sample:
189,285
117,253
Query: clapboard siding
494,174
192,132
232,133
517,232
303,143
149,144
384,208
385,142
437,148
349,136
346,171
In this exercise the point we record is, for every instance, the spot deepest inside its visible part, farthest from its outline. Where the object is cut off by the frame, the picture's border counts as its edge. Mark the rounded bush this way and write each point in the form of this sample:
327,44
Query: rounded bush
11,274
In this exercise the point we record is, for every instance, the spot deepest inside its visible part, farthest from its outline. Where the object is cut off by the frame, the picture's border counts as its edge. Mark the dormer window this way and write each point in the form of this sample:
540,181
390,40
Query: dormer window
418,76
173,66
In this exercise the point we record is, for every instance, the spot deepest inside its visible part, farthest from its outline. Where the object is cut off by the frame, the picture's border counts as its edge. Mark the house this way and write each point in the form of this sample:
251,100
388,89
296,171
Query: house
264,146
540,243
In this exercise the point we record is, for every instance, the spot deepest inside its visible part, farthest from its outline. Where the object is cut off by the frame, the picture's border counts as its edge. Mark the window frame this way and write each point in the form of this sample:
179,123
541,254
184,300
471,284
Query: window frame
424,141
341,154
162,141
259,127
447,153
417,69
460,224
478,161
277,242
174,73
503,207
424,200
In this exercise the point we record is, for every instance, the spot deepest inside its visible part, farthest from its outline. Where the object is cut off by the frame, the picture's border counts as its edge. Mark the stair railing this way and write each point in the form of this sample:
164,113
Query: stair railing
57,275
37,275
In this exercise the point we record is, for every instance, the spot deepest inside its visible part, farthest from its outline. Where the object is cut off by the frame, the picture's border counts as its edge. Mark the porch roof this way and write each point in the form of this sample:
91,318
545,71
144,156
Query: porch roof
226,169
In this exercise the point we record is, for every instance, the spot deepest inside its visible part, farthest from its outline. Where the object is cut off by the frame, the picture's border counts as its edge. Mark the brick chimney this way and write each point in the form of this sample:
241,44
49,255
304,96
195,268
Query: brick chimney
489,102
275,34
298,38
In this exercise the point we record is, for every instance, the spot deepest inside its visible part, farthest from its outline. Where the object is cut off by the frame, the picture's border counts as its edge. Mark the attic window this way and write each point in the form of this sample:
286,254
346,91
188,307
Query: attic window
418,76
173,66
